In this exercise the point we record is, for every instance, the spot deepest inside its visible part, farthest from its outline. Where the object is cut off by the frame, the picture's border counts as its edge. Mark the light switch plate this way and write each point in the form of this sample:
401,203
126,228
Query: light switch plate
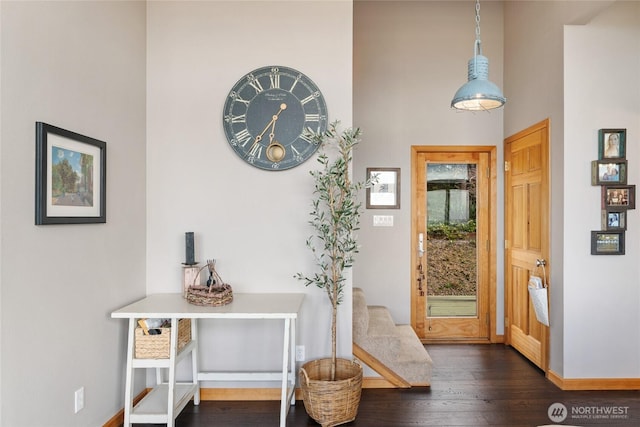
383,220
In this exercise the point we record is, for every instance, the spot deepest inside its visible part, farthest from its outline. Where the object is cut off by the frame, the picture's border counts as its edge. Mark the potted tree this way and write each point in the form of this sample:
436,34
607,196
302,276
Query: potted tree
331,387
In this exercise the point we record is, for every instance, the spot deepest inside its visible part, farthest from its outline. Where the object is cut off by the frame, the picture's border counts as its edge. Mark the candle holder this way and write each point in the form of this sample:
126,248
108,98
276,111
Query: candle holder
190,275
189,249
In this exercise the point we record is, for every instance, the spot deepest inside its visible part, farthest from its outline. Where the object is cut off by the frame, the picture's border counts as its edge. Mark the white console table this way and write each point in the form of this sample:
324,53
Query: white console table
164,403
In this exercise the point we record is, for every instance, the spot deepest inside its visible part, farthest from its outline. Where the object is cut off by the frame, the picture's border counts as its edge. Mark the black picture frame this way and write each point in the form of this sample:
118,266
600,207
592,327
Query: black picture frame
71,183
613,220
607,242
384,192
608,172
612,144
618,197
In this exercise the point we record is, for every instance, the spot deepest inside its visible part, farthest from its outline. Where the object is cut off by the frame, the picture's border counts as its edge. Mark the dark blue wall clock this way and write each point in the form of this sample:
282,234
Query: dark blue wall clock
265,116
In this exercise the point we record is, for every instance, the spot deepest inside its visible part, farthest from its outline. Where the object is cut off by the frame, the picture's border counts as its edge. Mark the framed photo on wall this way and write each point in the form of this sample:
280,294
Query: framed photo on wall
605,172
612,144
384,193
70,177
614,220
618,197
607,243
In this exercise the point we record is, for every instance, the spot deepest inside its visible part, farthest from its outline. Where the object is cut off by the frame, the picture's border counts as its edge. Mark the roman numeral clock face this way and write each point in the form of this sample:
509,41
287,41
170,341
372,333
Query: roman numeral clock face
266,114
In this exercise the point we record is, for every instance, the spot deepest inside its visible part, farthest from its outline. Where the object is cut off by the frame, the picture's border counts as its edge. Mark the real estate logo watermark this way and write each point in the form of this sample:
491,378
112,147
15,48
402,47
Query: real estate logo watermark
558,412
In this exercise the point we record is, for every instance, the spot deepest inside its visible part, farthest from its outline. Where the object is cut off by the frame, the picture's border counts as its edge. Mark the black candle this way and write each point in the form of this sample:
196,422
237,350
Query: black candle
189,248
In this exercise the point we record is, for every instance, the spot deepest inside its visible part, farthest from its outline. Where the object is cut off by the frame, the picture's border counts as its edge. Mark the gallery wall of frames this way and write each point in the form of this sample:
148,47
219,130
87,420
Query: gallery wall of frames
617,196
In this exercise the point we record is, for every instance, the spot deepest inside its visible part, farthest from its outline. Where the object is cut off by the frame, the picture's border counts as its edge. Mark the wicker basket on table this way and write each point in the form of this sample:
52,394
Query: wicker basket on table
216,293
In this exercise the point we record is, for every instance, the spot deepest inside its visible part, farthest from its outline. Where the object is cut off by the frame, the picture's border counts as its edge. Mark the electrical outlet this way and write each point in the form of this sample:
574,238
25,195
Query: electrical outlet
79,399
299,353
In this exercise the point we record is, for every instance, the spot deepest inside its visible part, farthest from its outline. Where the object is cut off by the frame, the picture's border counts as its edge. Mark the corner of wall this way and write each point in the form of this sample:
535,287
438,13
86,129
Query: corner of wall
1,310
1,213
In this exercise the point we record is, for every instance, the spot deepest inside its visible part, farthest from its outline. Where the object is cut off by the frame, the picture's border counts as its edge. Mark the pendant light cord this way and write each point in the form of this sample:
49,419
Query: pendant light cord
478,20
477,48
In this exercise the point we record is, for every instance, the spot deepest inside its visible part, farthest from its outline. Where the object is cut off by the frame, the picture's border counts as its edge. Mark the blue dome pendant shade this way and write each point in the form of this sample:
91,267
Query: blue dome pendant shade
478,93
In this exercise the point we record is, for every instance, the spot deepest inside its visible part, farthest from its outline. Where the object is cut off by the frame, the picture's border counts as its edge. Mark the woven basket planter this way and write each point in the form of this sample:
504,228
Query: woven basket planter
331,403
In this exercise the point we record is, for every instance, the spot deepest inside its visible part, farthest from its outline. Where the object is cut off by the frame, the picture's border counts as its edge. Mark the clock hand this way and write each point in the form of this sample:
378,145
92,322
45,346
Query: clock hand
275,150
272,134
259,137
271,124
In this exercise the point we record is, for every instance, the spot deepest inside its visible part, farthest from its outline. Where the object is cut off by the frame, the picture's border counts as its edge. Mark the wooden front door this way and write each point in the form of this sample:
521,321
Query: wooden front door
453,223
526,236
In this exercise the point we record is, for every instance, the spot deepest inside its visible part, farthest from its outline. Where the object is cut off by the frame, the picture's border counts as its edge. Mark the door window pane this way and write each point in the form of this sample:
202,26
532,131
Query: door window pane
451,240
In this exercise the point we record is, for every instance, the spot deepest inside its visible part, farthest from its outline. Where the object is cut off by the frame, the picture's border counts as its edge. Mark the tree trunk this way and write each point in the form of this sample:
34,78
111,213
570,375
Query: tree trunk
334,318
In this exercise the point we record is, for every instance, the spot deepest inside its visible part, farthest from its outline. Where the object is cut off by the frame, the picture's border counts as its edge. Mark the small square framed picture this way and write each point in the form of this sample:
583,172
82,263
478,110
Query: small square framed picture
612,144
605,172
614,220
384,192
618,197
607,243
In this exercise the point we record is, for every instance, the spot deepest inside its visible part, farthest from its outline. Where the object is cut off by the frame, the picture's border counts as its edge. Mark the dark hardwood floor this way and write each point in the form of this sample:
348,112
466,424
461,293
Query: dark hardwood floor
472,385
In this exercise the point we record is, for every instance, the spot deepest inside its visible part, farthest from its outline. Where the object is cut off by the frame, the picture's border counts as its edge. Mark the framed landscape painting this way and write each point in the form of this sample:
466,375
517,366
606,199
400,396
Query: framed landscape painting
70,177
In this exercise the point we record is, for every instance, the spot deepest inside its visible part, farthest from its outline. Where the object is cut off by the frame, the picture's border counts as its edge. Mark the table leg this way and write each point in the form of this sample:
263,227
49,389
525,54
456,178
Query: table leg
284,404
173,349
194,360
128,388
292,366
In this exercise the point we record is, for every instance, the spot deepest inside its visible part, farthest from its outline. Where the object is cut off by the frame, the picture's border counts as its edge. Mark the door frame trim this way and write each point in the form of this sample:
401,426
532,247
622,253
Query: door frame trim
491,150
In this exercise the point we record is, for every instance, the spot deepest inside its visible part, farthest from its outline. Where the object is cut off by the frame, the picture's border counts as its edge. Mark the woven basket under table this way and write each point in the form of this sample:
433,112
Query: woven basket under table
157,346
331,403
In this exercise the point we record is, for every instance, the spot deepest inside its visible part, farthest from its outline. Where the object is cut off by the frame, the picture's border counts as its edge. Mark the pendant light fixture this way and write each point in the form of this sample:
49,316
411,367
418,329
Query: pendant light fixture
478,93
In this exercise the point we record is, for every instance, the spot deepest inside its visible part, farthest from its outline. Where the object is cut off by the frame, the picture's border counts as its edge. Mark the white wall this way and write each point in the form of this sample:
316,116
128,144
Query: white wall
601,293
409,60
535,87
80,66
253,222
1,340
